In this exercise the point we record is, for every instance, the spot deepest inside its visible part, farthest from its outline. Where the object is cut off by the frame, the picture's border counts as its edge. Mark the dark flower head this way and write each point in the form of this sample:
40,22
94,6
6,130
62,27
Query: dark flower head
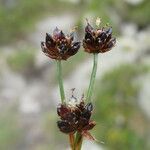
75,118
98,40
59,46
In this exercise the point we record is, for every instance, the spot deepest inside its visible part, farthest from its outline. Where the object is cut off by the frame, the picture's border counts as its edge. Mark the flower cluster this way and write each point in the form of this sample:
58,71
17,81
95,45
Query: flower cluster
59,46
98,40
75,118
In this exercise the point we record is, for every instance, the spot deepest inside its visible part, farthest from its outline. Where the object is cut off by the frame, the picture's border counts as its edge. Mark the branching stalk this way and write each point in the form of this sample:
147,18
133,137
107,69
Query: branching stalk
92,80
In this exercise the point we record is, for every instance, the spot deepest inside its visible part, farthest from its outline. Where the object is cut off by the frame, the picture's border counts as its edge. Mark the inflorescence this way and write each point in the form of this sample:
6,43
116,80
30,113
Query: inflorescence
76,119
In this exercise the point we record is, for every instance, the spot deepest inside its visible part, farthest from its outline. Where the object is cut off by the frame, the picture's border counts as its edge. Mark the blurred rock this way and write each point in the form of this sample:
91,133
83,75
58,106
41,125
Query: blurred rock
134,2
12,86
144,98
72,1
129,29
91,145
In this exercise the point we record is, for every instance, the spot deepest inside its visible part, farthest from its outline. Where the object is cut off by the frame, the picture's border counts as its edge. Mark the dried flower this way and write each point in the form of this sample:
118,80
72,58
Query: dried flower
98,40
59,46
76,118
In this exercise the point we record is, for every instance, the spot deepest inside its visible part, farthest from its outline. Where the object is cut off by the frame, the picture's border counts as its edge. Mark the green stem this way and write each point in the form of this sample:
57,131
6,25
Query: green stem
78,141
71,141
92,80
59,75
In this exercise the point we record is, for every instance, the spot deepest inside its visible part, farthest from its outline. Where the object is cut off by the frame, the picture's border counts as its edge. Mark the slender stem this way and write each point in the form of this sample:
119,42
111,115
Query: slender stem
79,146
71,140
78,141
93,75
59,75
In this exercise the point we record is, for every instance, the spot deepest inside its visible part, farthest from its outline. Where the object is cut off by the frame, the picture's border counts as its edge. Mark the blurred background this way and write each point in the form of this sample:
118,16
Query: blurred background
28,86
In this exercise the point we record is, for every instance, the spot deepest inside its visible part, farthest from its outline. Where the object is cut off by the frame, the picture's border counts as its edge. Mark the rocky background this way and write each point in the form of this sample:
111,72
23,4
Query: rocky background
28,87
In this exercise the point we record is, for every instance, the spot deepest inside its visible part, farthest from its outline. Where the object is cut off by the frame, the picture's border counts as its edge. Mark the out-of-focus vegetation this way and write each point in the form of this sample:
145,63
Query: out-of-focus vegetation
73,63
138,13
22,15
10,130
50,128
18,17
121,123
22,60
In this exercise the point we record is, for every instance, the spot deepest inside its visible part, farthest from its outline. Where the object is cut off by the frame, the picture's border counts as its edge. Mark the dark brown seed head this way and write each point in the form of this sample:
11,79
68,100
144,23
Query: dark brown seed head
59,46
98,40
75,118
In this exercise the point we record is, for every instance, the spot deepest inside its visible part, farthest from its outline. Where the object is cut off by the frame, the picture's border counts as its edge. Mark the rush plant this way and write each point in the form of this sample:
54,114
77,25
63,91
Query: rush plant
75,117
